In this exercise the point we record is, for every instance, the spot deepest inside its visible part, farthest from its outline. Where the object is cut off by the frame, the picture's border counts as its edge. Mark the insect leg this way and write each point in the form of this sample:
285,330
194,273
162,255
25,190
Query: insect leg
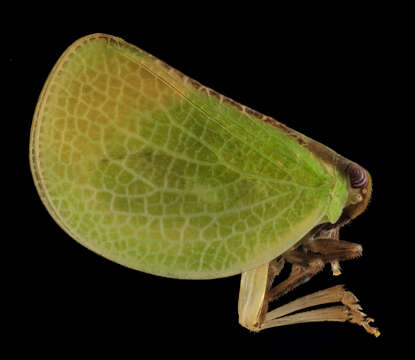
304,267
338,250
255,284
256,293
350,310
334,234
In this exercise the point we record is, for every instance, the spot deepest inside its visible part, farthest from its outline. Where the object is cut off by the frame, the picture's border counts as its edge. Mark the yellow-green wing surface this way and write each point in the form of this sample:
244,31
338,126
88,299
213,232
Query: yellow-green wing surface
148,168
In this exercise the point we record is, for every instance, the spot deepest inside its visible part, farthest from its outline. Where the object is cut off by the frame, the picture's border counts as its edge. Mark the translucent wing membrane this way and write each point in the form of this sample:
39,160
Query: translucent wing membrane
144,166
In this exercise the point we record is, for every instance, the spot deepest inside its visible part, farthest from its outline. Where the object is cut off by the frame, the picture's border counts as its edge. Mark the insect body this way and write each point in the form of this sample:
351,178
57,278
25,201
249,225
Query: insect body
152,170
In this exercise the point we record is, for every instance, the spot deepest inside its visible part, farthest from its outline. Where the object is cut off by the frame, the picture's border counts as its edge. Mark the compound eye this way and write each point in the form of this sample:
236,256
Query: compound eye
357,175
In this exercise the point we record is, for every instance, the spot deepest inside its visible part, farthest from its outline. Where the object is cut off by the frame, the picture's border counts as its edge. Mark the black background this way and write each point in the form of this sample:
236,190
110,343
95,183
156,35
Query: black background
323,72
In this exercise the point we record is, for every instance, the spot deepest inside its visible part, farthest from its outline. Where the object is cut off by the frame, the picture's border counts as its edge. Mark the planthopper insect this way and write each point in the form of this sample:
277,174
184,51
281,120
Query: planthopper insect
150,169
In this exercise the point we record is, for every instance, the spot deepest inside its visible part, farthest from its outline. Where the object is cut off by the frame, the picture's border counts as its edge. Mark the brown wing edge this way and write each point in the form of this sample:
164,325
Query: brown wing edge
319,150
204,89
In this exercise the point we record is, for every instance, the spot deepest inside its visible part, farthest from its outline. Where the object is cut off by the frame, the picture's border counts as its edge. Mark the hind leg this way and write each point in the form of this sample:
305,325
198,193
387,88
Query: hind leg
257,292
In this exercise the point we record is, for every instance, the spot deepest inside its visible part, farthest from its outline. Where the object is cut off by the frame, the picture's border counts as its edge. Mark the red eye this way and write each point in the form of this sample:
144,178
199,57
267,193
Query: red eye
358,176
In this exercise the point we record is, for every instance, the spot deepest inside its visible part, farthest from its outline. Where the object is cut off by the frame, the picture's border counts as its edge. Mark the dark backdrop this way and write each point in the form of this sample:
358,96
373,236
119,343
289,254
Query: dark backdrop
326,76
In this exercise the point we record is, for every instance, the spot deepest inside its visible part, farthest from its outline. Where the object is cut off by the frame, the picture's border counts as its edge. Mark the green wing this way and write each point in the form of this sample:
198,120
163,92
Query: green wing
148,168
